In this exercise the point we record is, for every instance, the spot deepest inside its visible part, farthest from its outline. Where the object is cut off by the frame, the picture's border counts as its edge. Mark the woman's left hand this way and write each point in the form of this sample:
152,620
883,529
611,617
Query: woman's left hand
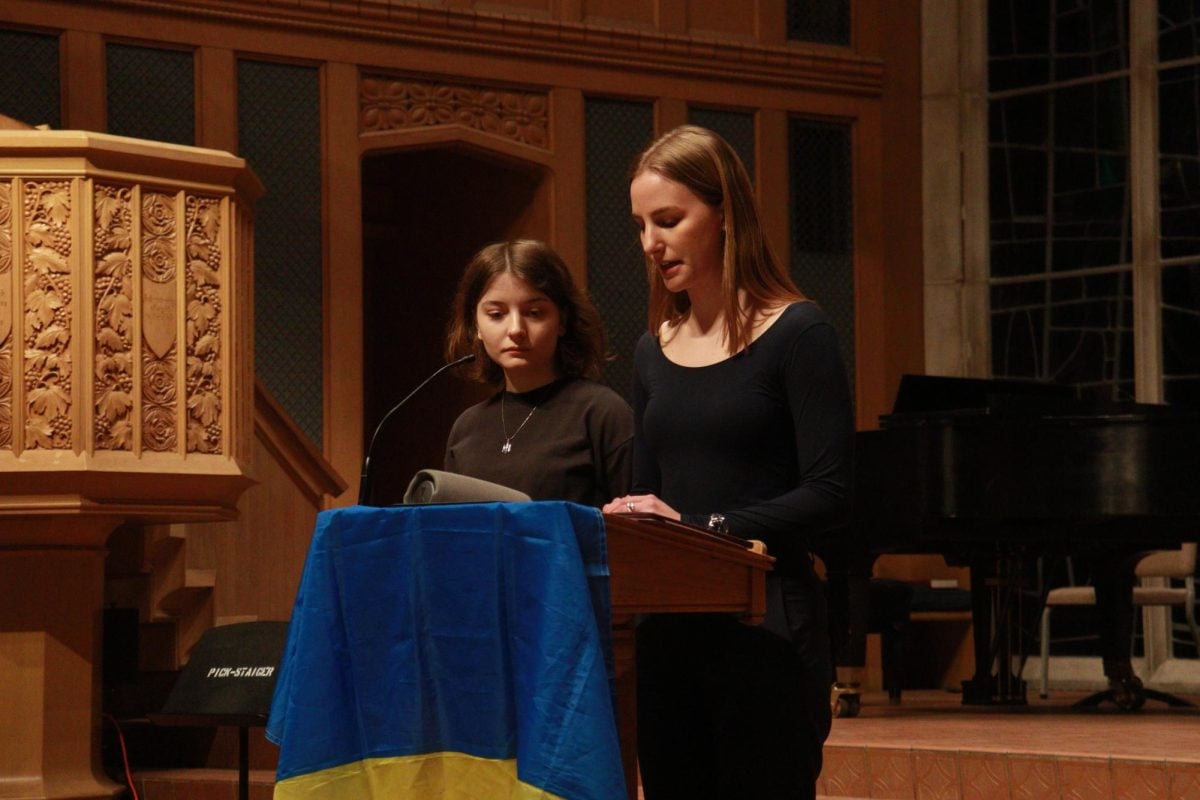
640,504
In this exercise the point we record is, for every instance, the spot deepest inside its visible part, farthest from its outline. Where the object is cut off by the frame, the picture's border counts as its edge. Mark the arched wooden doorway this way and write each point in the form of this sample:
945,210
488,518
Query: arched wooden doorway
425,212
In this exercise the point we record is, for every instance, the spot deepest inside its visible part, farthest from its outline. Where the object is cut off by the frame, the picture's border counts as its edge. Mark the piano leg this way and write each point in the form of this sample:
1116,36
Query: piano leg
1114,579
848,575
850,656
995,620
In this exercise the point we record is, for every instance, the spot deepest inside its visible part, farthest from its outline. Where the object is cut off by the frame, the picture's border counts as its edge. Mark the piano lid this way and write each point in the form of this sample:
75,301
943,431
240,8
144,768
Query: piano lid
926,393
924,396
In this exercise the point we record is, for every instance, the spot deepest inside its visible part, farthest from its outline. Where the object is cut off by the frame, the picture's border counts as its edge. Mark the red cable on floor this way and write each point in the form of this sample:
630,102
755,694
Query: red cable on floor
124,755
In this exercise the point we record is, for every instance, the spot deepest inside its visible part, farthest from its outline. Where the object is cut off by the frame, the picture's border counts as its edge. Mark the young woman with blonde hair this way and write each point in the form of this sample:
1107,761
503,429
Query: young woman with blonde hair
742,424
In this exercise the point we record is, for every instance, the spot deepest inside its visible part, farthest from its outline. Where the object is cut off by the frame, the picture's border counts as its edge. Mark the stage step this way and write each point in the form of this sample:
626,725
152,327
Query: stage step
931,747
201,784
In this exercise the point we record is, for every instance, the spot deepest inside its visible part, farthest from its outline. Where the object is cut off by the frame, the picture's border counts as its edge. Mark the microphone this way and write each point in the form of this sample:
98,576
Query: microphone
364,480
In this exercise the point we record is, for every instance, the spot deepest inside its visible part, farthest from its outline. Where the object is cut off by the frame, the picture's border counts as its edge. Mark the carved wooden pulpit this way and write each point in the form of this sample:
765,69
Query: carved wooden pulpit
126,395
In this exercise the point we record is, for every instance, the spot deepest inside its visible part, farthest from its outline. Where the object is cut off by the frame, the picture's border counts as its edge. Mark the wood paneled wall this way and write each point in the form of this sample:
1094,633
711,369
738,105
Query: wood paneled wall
671,52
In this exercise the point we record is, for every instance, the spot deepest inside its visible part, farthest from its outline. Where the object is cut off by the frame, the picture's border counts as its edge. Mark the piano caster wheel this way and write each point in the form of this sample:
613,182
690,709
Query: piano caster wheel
847,706
845,700
1127,693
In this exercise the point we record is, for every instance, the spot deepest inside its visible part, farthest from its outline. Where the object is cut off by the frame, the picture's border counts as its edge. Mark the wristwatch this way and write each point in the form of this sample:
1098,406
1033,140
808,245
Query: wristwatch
716,522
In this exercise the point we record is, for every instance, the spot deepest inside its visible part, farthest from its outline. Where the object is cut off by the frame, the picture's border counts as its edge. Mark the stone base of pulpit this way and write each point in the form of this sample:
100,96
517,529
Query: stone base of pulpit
51,600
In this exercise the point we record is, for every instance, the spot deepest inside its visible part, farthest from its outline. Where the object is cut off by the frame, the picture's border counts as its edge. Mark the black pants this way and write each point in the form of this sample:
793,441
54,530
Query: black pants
728,710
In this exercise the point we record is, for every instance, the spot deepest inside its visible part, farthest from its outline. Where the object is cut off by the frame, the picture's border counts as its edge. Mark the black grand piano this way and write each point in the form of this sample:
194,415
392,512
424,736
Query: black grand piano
994,473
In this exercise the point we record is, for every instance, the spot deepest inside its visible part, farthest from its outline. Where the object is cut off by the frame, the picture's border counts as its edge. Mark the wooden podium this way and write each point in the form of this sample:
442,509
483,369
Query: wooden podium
660,566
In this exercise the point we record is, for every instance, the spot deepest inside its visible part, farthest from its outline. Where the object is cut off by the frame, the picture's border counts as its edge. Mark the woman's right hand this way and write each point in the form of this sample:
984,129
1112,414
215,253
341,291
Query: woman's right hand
640,504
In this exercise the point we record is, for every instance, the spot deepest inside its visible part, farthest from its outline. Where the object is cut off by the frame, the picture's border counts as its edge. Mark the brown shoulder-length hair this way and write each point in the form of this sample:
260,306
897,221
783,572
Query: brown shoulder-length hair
705,164
581,349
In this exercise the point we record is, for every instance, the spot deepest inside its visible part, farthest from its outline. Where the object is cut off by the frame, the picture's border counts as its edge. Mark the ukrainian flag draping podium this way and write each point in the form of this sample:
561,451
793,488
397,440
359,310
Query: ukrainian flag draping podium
475,650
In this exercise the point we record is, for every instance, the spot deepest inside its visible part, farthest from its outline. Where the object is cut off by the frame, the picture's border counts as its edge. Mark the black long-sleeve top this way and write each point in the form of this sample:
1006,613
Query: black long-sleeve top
571,440
763,437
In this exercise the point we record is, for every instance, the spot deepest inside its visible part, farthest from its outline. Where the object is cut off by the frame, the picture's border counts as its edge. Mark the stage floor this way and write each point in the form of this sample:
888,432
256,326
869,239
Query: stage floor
930,747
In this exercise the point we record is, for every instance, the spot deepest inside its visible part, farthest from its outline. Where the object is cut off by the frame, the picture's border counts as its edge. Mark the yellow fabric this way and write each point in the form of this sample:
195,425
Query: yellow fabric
433,776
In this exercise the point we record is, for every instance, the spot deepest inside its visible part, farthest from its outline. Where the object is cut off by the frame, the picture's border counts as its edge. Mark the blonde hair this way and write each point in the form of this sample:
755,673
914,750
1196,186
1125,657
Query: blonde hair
580,351
705,164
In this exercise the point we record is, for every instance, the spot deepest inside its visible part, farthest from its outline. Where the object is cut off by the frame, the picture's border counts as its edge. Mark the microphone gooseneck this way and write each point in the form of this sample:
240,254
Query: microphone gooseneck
364,480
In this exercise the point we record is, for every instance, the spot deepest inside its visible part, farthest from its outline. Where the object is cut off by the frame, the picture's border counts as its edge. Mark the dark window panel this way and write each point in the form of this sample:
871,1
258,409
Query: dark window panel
1027,178
1178,29
1083,174
1076,331
1112,114
824,21
1179,162
821,206
1178,127
1018,327
151,93
1090,38
1016,27
735,127
1020,120
616,132
1181,333
1031,44
29,88
1092,115
279,134
1018,257
1018,44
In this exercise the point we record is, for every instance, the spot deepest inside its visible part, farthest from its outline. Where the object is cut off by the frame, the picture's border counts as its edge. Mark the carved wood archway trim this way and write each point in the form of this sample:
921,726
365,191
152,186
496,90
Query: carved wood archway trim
393,102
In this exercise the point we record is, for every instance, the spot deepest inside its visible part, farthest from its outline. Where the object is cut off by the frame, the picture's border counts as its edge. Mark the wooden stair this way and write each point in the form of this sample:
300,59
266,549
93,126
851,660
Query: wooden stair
201,784
152,569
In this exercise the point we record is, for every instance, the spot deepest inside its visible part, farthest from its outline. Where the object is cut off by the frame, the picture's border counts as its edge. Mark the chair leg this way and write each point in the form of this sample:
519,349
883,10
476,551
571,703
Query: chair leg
1044,638
1190,612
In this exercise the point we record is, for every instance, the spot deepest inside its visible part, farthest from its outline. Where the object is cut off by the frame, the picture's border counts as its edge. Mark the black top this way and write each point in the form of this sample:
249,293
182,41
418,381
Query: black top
763,437
576,446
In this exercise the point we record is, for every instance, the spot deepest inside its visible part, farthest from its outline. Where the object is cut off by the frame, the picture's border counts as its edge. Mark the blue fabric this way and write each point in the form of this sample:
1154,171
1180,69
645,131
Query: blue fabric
479,628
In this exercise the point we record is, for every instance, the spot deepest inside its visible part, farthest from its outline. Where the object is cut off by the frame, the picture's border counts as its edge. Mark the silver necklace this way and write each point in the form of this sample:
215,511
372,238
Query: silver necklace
507,446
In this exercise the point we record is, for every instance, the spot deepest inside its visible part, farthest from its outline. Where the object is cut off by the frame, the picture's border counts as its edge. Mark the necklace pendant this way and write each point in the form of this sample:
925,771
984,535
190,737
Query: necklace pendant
506,447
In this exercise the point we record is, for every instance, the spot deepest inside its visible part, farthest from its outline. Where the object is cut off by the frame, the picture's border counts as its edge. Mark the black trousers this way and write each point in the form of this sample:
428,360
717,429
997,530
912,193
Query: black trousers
728,710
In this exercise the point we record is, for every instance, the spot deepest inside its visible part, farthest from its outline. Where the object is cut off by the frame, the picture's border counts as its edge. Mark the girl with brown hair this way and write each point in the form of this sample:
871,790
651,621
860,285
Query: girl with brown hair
550,431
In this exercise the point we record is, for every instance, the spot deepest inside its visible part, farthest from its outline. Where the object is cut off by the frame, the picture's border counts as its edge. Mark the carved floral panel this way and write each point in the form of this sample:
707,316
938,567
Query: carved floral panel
203,325
160,241
387,103
112,291
6,315
46,208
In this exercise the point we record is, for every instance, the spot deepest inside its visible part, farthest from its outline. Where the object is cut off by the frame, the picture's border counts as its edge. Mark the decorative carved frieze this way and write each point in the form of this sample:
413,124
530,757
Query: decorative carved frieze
203,290
46,209
6,314
393,103
160,243
112,294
